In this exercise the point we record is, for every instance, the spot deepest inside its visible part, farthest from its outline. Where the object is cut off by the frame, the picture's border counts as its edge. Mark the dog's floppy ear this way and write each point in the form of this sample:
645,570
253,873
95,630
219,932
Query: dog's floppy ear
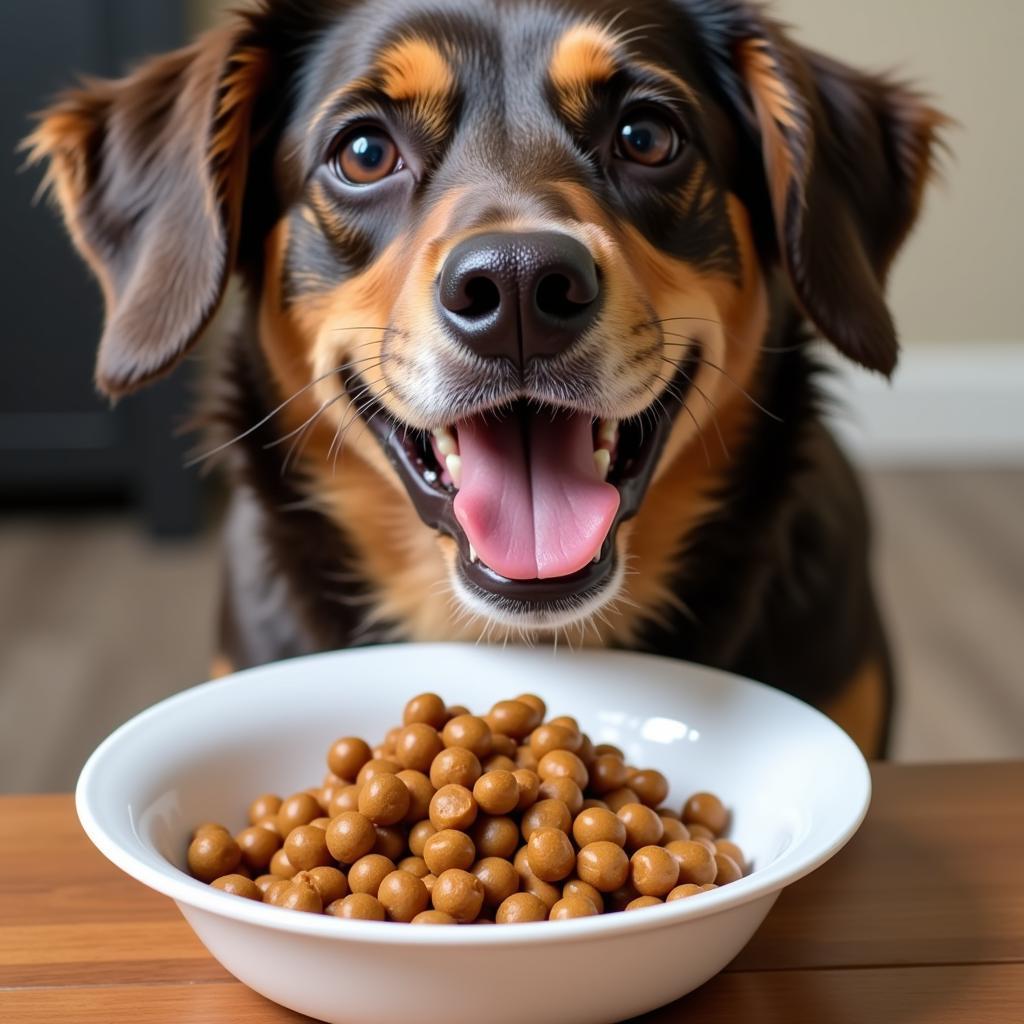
846,157
149,172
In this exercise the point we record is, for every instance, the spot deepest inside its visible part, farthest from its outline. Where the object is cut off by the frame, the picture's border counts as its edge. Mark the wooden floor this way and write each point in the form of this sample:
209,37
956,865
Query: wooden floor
96,623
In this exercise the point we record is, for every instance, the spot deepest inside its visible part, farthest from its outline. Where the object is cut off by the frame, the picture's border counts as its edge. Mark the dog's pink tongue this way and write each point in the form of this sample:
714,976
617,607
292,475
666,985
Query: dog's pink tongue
530,499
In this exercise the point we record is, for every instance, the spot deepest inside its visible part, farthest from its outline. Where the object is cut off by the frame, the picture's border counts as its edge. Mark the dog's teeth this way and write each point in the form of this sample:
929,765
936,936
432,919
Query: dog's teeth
602,462
608,431
473,556
446,443
454,464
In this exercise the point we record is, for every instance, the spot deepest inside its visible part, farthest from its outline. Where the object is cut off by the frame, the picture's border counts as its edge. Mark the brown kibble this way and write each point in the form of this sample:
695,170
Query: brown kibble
513,718
270,824
643,826
699,831
521,908
540,709
674,830
617,900
546,814
258,845
496,792
414,865
643,901
603,865
427,708
238,885
707,810
618,798
550,854
452,807
727,870
455,767
384,799
470,732
350,836
329,882
569,907
529,787
525,758
357,907
391,841
213,853
281,866
708,844
420,792
597,824
368,872
272,893
696,862
298,809
377,766
650,785
566,722
418,836
590,802
577,887
345,799
547,892
433,917
495,836
448,848
347,756
680,892
454,710
321,823
565,790
417,745
503,746
654,871
264,806
306,848
458,893
299,896
498,877
402,896
546,738
428,881
730,849
609,748
498,763
264,881
562,764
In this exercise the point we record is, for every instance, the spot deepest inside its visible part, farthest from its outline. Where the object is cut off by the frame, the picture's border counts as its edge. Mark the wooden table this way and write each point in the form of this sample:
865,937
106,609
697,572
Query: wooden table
919,920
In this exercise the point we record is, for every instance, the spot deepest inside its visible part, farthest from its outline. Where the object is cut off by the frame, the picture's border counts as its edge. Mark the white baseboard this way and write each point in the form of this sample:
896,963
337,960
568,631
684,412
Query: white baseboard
957,405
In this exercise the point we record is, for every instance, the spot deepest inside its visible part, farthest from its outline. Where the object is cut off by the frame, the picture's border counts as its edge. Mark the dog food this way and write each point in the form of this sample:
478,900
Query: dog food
459,818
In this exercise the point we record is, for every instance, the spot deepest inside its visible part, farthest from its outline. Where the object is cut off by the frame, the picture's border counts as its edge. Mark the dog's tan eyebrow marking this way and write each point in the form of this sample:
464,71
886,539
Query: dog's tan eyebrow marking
586,55
414,69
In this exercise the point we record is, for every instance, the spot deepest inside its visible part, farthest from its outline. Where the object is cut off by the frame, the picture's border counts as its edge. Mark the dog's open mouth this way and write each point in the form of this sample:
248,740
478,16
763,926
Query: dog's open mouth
532,494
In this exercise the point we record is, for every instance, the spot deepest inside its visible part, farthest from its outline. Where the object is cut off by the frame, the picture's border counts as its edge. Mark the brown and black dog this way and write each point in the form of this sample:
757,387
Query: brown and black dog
529,290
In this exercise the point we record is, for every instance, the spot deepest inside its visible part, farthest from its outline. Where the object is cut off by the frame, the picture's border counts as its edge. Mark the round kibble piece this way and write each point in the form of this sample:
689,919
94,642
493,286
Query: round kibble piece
270,824
603,865
643,901
469,732
306,848
350,836
345,799
448,848
540,709
498,877
502,745
498,762
680,892
609,748
546,738
643,826
212,854
433,917
418,836
654,871
699,831
402,896
458,893
726,869
321,823
330,883
521,908
238,885
455,767
546,814
368,872
495,836
452,807
258,845
384,800
513,718
650,785
572,906
707,810
577,887
264,806
281,866
525,758
414,865
562,764
427,708
550,854
565,790
597,824
420,792
675,830
566,721
273,892
417,745
618,798
730,849
359,907
377,766
529,787
299,809
263,882
299,896
696,862
496,792
391,841
347,756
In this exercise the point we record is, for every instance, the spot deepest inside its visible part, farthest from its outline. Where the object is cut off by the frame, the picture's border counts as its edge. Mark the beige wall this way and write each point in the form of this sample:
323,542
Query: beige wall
960,277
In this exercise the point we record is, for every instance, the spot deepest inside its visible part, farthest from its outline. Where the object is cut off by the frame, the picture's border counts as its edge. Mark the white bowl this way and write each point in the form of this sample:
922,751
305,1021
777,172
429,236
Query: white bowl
797,786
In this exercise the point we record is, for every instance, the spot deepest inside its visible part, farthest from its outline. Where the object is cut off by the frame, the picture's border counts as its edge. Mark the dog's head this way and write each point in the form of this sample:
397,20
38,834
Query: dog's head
532,246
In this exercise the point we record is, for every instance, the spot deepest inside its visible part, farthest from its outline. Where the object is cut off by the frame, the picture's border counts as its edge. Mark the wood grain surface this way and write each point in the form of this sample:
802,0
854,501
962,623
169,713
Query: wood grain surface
919,920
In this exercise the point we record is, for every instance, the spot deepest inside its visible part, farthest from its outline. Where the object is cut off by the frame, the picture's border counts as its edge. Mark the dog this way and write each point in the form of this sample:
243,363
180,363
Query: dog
529,289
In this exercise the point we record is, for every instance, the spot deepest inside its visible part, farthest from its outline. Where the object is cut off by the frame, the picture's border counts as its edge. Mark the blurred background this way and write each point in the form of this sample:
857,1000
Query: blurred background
108,548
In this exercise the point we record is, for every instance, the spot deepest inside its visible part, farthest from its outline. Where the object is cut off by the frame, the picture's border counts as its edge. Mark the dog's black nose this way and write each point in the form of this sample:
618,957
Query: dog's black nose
520,295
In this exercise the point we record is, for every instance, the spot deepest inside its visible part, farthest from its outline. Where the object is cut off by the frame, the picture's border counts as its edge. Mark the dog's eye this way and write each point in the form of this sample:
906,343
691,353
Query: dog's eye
647,137
366,155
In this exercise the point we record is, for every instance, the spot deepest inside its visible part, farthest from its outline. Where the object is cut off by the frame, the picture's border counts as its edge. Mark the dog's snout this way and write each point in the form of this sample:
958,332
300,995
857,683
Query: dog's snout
519,295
